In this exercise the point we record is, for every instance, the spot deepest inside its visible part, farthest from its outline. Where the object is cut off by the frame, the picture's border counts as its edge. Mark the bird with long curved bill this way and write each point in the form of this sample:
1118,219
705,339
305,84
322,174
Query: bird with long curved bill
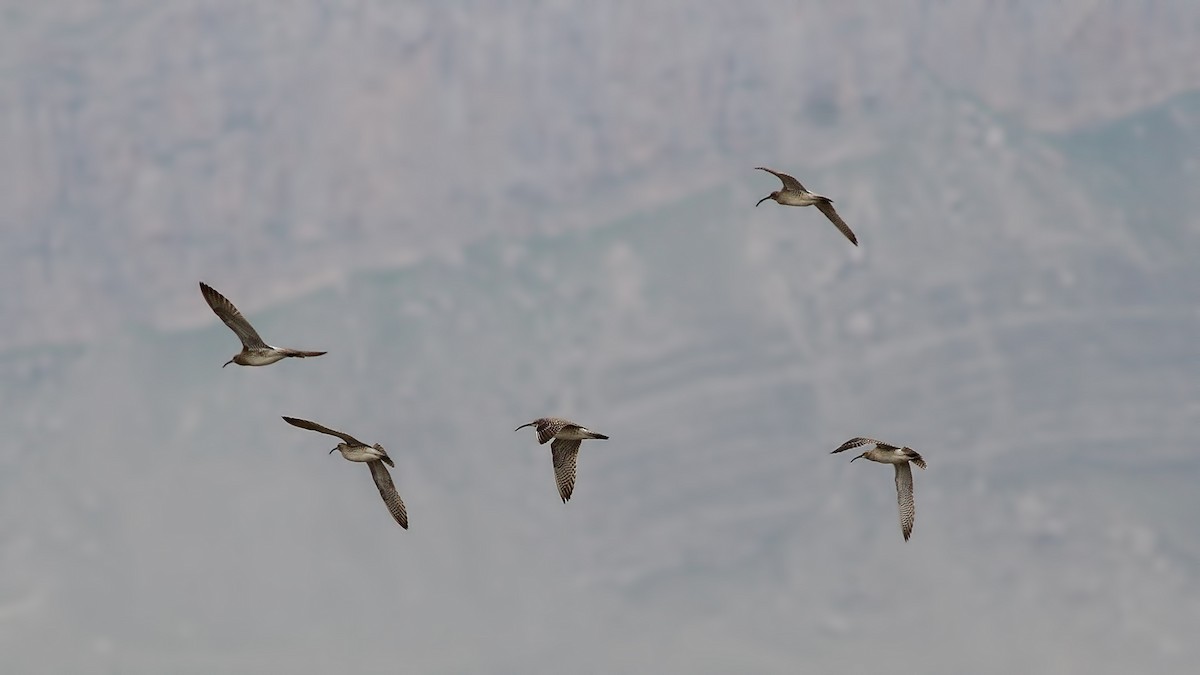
567,436
254,352
901,458
794,194
373,455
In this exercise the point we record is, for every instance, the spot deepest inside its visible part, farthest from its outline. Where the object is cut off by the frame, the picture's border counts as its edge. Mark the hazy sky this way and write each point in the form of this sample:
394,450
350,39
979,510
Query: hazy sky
491,212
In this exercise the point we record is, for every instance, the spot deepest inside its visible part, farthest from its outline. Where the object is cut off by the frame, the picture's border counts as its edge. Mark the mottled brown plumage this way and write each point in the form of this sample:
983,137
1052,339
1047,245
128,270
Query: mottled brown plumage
568,437
794,194
373,455
254,352
900,458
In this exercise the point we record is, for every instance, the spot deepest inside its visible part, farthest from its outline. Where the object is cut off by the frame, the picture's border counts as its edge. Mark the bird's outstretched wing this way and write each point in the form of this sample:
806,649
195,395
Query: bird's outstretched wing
862,440
904,497
222,307
387,490
313,426
789,183
565,454
826,207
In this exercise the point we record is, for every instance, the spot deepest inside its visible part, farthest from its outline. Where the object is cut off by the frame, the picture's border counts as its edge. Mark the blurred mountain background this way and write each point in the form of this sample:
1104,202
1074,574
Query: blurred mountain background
492,211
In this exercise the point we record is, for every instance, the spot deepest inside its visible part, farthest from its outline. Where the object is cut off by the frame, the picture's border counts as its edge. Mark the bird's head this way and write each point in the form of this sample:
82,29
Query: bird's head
774,195
533,423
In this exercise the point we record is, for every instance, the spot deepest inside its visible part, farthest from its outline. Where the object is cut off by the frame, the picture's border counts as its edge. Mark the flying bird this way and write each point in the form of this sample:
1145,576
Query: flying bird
794,194
900,458
375,457
254,352
567,436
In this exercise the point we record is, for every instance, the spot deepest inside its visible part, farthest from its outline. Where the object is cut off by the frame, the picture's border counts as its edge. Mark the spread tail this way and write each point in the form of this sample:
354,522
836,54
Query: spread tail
914,457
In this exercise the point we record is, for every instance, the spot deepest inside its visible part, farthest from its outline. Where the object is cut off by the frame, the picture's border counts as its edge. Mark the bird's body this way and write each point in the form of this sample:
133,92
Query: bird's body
789,198
254,352
374,456
364,453
900,458
795,194
265,357
567,437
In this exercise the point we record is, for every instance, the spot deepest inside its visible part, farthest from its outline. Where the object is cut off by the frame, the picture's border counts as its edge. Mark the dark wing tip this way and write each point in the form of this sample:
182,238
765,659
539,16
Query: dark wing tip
209,292
789,181
831,213
298,422
773,172
313,426
852,443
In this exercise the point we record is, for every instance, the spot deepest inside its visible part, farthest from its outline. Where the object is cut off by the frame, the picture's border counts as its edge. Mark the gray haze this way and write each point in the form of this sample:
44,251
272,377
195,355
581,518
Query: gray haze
493,211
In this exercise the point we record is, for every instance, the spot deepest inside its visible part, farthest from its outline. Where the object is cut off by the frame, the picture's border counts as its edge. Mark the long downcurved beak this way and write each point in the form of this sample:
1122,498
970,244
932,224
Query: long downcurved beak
524,425
859,457
228,362
333,451
763,200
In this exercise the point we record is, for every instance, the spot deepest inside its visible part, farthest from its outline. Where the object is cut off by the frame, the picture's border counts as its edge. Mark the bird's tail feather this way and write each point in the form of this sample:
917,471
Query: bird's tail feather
299,353
915,457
